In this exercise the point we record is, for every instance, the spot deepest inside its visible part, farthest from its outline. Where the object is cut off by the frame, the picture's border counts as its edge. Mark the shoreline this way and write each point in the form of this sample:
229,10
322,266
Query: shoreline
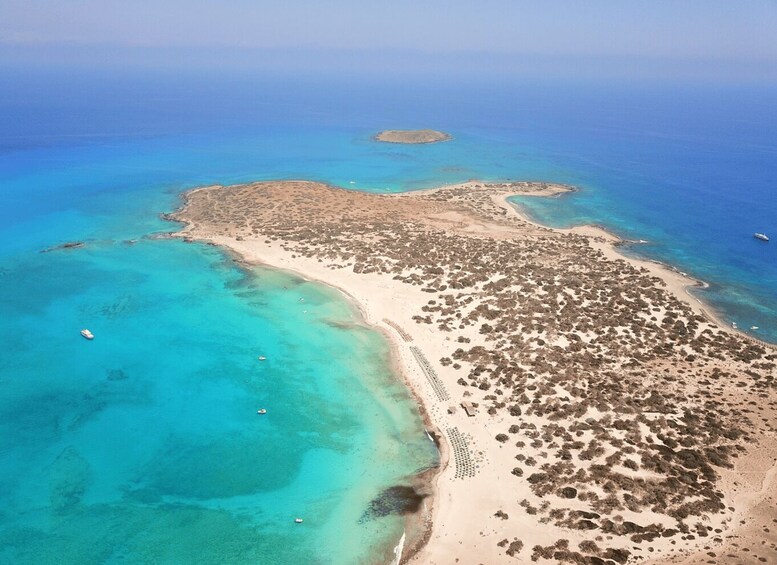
360,294
417,526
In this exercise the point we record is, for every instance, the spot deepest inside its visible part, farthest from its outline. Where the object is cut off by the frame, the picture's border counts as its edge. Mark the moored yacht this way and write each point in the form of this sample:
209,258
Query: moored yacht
87,334
761,236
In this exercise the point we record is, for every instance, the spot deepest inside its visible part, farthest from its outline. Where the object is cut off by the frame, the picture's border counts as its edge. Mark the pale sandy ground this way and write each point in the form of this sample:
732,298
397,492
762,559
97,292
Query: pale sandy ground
464,528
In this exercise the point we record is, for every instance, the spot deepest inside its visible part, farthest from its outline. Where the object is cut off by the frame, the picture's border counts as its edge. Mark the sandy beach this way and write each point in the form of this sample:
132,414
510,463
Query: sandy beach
588,408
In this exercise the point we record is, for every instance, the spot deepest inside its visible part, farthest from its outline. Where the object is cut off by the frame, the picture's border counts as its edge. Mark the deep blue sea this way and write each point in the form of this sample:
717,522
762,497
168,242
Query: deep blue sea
144,446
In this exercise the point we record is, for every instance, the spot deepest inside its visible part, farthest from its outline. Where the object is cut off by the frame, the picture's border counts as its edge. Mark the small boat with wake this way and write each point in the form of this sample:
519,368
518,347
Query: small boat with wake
87,334
761,236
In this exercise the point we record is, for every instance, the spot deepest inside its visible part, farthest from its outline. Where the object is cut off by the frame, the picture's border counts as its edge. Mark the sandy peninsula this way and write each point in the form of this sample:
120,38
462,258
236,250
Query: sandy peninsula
588,411
412,136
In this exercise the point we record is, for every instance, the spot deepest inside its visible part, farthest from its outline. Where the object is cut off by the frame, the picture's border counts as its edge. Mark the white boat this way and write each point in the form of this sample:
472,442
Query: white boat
261,411
262,358
87,334
298,520
761,236
753,327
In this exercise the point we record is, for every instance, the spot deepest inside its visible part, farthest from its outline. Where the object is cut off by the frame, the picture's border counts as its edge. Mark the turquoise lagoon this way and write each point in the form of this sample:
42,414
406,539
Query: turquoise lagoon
144,445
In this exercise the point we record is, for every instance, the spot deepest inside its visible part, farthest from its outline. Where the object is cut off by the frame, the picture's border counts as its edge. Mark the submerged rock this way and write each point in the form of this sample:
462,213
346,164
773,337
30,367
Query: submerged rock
394,500
116,375
62,246
69,477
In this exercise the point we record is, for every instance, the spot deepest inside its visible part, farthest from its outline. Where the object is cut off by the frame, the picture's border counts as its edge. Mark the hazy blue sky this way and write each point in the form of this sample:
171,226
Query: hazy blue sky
738,35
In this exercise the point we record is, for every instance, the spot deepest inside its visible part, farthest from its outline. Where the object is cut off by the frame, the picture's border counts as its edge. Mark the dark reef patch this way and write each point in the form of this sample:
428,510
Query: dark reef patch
342,325
398,499
116,375
63,246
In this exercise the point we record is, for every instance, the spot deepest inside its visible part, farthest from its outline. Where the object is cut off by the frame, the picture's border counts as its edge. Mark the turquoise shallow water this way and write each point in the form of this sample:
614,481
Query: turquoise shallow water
144,445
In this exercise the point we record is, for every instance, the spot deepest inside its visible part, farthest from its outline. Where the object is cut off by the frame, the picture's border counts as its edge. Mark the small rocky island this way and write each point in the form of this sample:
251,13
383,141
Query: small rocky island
412,136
